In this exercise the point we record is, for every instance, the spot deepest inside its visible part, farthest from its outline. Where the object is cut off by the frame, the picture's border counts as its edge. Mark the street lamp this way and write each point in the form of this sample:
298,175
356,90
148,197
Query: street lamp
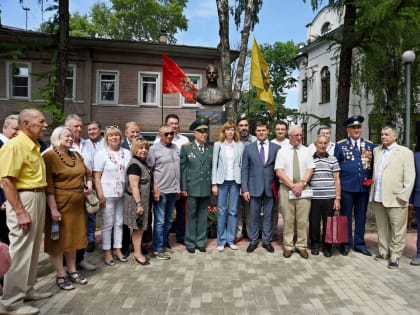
408,58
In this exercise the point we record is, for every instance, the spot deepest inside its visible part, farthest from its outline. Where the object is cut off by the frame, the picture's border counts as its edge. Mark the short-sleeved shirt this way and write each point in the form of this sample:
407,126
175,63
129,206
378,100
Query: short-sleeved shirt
322,180
165,164
21,159
113,165
284,159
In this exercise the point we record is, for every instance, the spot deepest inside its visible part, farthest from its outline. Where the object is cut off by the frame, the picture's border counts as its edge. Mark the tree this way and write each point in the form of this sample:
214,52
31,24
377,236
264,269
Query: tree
246,10
132,20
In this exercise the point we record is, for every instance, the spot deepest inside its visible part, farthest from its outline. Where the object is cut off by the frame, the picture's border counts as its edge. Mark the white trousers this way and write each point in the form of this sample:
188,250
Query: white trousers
112,216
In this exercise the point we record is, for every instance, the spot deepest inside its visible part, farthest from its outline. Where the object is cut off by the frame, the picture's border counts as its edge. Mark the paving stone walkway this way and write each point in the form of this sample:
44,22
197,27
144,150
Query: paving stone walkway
235,282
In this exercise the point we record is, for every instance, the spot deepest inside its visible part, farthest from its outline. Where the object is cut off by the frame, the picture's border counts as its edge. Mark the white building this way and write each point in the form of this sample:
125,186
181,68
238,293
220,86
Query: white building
318,63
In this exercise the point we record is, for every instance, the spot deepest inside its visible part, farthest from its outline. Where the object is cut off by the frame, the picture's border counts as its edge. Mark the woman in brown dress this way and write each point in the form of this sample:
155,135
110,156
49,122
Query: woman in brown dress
137,197
65,198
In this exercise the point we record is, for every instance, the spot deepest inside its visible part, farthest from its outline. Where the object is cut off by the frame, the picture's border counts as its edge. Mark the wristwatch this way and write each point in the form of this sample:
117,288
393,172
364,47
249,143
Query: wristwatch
304,183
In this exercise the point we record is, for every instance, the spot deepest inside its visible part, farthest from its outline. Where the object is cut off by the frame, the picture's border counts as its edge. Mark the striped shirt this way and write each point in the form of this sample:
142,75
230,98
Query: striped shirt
322,181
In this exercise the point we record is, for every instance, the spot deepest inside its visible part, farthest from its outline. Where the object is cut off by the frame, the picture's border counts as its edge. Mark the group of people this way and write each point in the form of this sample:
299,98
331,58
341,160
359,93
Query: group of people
138,187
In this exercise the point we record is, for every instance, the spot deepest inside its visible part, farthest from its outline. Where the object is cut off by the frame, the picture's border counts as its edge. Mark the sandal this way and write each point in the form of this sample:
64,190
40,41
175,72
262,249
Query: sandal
76,277
63,283
120,258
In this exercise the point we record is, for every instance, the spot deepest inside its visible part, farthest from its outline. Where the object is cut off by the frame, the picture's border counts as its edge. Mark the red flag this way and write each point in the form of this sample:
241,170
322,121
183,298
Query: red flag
174,80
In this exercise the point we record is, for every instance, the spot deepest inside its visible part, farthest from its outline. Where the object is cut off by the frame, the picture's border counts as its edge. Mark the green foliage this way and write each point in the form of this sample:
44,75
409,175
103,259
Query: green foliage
238,12
132,20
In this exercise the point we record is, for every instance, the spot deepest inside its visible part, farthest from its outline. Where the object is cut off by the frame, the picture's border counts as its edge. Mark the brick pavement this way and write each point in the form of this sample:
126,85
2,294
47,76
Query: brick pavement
234,282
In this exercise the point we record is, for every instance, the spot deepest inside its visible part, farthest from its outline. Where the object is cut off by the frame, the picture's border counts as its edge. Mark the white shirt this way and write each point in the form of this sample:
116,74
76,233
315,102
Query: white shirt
3,138
383,158
280,143
229,161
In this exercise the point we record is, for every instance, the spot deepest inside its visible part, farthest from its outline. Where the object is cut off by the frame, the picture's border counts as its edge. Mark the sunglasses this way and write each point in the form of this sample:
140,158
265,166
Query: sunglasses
167,134
112,127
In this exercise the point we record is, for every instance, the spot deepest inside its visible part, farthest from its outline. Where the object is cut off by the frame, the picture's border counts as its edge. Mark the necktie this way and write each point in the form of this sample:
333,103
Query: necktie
296,172
356,146
262,153
201,149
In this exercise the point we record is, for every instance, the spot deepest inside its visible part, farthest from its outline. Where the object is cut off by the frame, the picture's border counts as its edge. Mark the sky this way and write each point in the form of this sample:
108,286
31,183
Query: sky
280,20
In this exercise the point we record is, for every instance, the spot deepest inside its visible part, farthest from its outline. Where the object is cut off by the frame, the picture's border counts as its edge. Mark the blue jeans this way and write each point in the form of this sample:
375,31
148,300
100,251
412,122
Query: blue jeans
227,199
418,231
91,227
164,215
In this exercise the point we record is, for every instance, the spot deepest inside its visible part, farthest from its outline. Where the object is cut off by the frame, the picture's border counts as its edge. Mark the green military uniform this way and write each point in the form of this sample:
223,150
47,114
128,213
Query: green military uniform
196,180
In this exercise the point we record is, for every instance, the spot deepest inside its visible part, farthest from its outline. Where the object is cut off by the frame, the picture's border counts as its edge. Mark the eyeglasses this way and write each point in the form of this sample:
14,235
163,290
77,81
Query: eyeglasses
112,127
167,134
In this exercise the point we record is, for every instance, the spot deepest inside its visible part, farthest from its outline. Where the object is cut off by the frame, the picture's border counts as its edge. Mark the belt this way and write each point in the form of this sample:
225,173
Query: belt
39,189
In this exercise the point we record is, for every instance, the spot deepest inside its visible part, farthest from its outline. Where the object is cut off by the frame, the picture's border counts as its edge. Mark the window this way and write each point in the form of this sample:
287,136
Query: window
196,79
107,87
149,88
70,82
325,28
325,85
19,80
304,90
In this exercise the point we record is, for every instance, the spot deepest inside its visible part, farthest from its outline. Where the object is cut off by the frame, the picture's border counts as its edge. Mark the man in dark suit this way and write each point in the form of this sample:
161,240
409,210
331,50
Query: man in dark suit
196,163
355,156
415,203
257,176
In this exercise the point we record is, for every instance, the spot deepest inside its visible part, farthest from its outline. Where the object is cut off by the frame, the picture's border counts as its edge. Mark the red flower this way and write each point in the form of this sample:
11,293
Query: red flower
367,182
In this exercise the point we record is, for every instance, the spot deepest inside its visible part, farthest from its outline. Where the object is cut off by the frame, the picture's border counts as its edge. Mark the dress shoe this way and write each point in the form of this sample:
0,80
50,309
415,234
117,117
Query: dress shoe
191,250
87,266
202,249
23,310
327,253
380,257
237,239
109,262
345,251
35,296
303,253
269,247
287,253
364,251
180,241
251,248
315,251
393,263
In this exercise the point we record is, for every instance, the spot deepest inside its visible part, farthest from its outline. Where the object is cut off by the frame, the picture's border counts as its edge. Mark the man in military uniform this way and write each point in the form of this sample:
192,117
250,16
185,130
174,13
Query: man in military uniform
196,163
354,155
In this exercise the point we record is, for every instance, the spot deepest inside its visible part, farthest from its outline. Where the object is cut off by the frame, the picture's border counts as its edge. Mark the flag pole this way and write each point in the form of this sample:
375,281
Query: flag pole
161,104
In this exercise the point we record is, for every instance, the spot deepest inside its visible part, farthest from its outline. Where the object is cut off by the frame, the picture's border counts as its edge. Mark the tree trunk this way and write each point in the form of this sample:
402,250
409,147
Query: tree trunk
63,43
344,72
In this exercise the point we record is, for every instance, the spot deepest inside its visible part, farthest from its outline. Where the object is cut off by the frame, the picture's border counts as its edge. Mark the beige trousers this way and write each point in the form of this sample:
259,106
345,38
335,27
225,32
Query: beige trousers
392,227
24,249
294,212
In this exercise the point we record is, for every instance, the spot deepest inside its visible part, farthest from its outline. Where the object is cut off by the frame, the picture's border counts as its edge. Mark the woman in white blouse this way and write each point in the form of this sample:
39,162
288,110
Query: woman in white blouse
226,181
109,173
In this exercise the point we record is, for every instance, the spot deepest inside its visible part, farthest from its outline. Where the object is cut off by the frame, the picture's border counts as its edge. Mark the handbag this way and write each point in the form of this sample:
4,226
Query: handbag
337,230
5,259
92,203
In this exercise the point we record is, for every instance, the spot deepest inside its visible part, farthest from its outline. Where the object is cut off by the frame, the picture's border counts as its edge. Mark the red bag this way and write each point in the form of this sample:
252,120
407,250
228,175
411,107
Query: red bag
337,230
5,260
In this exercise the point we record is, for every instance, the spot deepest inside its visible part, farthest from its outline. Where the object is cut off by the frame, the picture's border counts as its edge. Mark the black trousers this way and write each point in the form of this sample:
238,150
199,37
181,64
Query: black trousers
321,209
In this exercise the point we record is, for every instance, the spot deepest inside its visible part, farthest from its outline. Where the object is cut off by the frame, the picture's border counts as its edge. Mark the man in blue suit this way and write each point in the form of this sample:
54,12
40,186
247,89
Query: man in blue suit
415,203
355,156
257,176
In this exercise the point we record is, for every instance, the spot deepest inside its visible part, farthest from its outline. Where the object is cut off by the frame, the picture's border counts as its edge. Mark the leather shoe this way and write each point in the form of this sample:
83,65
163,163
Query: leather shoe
202,249
251,248
345,251
269,247
287,253
303,253
327,253
364,251
191,250
315,251
237,240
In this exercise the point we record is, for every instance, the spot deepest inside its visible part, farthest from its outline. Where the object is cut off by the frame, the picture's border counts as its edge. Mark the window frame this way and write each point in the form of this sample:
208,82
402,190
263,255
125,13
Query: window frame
325,76
304,90
10,77
184,102
158,82
73,92
98,86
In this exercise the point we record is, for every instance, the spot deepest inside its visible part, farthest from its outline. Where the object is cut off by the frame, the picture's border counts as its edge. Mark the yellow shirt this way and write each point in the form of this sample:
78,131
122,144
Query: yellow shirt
21,159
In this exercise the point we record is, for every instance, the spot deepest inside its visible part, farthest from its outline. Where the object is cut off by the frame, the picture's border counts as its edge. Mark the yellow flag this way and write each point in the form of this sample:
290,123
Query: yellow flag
260,76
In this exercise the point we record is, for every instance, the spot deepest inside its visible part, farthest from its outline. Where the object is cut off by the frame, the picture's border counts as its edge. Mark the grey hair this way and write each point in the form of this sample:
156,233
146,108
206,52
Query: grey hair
392,128
72,117
57,133
8,120
322,127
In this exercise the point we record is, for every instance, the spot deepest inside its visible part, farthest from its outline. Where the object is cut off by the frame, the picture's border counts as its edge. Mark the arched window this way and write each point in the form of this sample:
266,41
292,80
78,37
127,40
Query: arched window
325,85
325,28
